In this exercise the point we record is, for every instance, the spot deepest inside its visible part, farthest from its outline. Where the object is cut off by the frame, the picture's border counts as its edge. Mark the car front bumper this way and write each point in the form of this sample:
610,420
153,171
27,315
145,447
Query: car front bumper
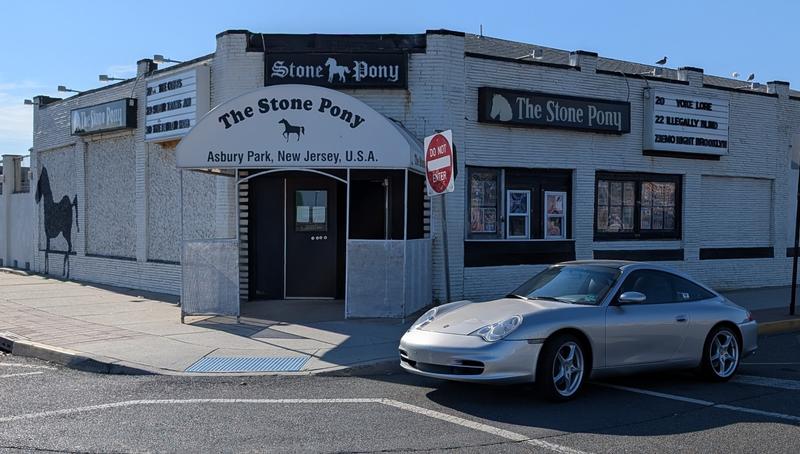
468,358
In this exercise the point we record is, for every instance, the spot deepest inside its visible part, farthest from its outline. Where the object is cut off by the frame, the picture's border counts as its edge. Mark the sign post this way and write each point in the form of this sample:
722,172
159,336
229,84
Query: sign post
440,176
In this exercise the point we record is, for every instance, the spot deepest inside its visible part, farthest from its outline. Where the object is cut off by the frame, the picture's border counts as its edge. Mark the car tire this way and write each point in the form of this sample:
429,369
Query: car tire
721,354
562,368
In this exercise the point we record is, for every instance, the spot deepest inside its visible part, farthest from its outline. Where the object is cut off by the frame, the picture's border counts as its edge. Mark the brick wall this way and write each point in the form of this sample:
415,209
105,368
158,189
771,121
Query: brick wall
127,230
738,201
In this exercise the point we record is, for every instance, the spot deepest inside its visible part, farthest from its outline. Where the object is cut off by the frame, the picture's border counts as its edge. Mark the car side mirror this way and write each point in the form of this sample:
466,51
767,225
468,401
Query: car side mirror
632,298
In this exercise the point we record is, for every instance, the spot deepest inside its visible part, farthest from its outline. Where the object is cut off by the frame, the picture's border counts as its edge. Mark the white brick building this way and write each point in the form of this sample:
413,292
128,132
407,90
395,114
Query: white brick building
718,211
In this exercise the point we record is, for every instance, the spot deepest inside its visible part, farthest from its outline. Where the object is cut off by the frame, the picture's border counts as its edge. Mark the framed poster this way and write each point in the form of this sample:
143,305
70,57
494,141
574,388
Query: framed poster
483,202
555,215
518,210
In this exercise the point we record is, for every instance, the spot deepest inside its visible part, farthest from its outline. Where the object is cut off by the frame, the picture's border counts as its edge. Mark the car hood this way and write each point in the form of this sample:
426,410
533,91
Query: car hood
471,316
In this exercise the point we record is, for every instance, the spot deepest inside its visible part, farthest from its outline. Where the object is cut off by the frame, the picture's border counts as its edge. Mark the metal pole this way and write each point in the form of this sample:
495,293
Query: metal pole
180,206
793,302
347,248
445,247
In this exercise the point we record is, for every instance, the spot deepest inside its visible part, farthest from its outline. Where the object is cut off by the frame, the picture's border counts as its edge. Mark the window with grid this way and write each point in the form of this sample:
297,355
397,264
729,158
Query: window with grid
484,186
637,206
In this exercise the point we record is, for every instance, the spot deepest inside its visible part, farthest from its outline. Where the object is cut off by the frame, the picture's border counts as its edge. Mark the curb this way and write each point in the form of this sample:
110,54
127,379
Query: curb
377,367
68,358
74,360
14,271
780,326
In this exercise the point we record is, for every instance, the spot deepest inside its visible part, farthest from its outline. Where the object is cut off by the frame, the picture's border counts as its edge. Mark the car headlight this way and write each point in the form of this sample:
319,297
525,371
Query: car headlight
426,318
499,330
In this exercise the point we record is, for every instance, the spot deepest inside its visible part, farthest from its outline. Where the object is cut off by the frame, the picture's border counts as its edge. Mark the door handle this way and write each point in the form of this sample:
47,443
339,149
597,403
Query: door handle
681,318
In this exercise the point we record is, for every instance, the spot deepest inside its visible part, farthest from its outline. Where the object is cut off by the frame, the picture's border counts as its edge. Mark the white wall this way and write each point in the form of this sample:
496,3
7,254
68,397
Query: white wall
737,201
16,233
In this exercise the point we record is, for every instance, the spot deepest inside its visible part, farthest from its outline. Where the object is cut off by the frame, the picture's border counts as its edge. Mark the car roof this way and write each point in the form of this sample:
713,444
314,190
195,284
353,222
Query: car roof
618,264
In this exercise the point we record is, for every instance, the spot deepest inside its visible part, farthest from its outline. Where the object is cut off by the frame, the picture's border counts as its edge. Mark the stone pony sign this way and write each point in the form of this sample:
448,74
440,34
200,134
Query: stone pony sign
298,126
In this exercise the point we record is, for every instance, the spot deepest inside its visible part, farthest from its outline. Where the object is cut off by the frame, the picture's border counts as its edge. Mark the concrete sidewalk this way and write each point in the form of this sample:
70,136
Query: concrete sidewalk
117,330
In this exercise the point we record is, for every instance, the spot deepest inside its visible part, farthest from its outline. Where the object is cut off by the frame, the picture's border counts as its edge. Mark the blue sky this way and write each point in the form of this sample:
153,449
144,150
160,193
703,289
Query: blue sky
49,43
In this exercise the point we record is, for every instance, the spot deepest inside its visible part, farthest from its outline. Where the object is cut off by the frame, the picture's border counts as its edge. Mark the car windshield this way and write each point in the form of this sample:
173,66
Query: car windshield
577,284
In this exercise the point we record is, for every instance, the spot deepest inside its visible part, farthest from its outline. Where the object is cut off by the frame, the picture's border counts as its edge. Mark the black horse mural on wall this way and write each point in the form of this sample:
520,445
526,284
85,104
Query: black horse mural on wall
57,218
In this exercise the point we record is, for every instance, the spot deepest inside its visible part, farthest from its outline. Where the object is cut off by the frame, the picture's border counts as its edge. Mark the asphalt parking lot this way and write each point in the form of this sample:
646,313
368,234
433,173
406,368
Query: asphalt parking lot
50,408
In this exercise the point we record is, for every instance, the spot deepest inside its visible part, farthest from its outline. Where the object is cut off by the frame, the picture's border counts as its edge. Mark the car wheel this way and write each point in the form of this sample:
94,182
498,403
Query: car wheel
720,354
561,369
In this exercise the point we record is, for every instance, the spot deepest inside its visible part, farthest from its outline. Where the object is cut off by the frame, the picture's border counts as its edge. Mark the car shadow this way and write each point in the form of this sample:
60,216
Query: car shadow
600,408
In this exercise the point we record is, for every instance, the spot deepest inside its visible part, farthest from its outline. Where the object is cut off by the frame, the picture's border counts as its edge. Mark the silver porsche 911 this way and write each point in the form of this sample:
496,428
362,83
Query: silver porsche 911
583,319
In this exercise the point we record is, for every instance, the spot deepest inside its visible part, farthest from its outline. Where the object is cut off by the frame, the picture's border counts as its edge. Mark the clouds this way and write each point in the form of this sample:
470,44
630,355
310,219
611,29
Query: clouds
16,119
122,71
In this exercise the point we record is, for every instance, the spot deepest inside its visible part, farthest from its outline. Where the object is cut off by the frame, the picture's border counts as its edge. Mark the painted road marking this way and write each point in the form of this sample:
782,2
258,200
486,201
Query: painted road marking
771,364
704,403
792,385
29,366
502,433
513,436
21,374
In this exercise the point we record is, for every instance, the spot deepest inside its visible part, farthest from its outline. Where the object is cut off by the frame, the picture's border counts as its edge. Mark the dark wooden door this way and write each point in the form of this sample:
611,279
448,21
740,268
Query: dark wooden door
312,237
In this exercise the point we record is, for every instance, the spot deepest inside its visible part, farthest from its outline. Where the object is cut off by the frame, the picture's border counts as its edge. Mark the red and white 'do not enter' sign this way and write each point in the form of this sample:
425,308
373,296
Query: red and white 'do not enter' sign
439,162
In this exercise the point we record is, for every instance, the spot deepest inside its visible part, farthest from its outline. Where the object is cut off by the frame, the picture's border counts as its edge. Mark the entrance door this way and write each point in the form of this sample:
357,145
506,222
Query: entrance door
312,237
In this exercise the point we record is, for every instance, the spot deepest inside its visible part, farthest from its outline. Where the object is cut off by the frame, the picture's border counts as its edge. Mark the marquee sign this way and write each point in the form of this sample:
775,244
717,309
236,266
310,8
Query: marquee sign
175,103
338,70
109,116
685,123
297,126
528,108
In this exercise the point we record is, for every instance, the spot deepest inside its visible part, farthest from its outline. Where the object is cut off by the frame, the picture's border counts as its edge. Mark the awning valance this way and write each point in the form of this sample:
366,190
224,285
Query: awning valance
297,126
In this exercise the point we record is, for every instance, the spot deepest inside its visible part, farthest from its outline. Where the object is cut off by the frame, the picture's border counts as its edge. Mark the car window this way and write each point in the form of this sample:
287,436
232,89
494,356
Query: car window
686,290
578,284
660,287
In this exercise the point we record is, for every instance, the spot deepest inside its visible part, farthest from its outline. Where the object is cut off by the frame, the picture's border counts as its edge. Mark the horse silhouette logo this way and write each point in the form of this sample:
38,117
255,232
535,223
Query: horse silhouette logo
289,129
334,69
57,219
501,109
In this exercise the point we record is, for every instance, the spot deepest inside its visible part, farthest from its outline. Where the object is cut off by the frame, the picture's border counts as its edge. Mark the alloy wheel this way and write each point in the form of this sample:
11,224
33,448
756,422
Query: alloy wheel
724,353
568,369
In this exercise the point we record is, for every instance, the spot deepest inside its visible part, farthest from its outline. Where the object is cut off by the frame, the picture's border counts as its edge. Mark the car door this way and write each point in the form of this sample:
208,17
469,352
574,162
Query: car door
649,332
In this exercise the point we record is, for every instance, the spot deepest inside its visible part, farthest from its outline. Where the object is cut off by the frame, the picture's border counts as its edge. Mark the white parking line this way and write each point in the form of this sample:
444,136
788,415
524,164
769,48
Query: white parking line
508,435
792,385
705,403
513,436
21,374
28,366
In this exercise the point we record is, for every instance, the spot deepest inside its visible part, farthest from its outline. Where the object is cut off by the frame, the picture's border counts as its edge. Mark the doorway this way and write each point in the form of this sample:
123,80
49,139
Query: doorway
296,236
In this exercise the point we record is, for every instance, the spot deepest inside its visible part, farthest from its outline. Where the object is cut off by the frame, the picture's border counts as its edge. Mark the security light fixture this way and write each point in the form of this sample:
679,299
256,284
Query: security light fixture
106,78
159,59
535,54
65,89
30,102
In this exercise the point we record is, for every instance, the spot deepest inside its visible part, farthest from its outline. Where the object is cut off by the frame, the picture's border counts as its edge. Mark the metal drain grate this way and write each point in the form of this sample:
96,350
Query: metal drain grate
249,364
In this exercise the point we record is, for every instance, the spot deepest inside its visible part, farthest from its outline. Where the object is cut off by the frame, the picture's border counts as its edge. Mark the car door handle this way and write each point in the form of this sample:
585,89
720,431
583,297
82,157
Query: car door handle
681,318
